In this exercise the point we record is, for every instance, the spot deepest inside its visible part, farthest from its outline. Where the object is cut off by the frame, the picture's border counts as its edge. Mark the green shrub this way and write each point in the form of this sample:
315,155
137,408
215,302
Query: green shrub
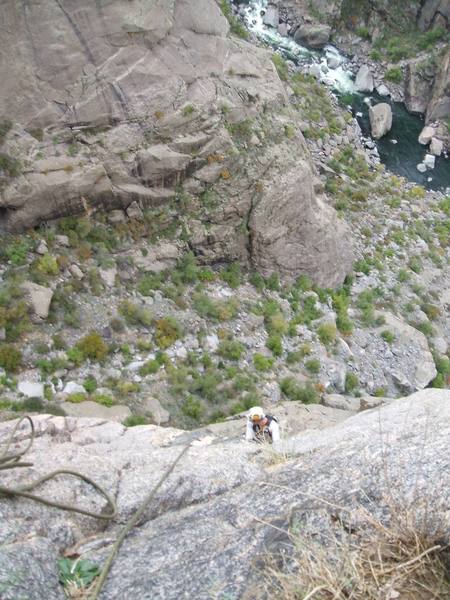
232,275
104,399
10,165
10,357
92,346
275,344
262,363
394,74
442,379
134,314
75,356
425,327
17,251
327,333
117,325
415,264
76,398
134,420
363,32
313,365
257,281
150,282
231,349
90,384
273,282
379,392
47,264
167,331
344,324
149,368
216,310
281,67
236,26
192,407
5,127
351,382
303,393
388,336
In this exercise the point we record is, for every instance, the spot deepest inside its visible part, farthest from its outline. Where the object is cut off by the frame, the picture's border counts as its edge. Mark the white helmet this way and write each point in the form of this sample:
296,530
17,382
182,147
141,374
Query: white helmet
256,413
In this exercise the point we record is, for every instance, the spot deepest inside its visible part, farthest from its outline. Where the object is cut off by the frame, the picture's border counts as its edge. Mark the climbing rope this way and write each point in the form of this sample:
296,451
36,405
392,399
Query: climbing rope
12,460
131,523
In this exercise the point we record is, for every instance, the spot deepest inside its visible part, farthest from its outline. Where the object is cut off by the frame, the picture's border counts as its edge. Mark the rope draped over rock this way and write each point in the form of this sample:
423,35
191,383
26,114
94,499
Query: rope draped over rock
12,460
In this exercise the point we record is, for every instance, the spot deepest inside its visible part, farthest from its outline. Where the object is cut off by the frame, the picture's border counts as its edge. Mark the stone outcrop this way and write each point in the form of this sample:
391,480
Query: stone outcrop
121,108
439,106
297,231
380,117
223,508
434,13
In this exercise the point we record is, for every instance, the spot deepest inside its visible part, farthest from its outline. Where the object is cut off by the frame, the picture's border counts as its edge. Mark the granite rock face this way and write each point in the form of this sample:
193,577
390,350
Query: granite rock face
213,517
129,104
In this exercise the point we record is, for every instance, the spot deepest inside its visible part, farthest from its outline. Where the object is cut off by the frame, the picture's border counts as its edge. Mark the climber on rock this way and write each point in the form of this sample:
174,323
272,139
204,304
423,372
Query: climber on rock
261,427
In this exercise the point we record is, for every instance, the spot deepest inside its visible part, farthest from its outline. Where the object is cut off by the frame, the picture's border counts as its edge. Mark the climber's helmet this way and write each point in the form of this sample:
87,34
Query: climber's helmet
256,413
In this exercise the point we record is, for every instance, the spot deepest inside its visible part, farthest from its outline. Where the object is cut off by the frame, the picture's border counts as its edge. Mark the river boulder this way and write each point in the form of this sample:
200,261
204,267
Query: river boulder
436,146
271,17
364,81
313,36
380,117
426,135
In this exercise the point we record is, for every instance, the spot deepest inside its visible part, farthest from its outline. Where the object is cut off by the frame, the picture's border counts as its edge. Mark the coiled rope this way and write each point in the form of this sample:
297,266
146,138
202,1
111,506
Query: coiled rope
12,460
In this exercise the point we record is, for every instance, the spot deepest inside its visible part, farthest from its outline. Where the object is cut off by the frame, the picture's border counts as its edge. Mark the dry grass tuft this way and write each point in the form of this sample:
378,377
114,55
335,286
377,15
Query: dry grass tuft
367,561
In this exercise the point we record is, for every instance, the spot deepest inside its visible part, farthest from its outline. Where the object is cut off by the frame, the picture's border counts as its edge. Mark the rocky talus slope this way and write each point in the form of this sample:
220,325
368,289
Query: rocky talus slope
228,505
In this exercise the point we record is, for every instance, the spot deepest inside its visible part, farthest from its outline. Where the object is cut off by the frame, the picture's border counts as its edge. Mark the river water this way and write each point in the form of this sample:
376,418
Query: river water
399,150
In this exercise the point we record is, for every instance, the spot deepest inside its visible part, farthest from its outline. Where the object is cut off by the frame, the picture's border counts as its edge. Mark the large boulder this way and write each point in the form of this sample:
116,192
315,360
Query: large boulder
380,117
292,230
364,81
39,298
313,36
225,504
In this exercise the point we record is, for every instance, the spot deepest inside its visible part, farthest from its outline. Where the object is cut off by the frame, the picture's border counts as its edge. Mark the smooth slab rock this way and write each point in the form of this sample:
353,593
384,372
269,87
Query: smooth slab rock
364,81
214,515
91,409
380,117
40,298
